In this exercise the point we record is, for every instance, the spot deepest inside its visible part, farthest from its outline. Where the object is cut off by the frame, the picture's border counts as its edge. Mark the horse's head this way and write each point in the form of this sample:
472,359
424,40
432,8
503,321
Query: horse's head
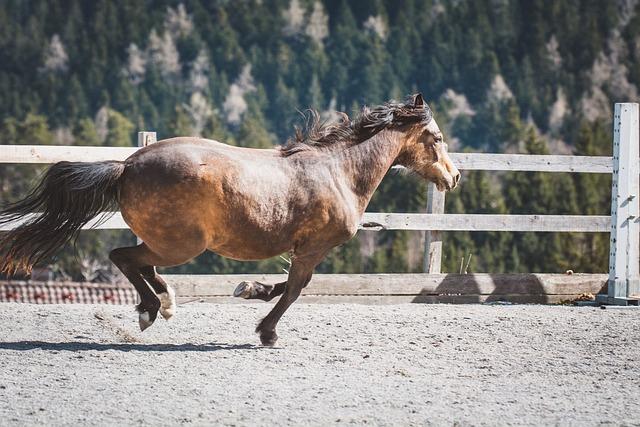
425,151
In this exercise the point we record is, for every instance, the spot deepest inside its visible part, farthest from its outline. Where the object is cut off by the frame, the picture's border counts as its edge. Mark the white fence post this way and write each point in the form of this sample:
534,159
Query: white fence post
433,239
624,251
146,138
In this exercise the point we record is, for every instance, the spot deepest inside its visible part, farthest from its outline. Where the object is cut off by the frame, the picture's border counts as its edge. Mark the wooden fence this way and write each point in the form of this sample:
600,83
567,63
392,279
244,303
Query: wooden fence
432,286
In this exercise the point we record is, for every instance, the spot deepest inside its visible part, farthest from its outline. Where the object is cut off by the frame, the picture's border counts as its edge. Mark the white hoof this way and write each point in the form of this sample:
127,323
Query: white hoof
244,290
167,313
144,320
167,303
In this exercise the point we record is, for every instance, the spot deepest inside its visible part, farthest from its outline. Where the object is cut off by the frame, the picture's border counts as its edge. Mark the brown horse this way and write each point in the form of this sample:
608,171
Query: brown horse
183,196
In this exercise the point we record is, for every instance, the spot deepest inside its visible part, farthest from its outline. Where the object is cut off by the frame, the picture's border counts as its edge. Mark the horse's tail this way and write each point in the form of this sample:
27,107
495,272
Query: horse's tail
69,195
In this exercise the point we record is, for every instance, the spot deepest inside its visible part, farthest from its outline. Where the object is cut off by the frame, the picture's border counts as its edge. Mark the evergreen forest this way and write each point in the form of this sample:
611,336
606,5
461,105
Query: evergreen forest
502,76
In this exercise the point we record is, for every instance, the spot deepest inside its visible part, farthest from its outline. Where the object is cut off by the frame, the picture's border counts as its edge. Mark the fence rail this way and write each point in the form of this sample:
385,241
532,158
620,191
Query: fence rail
624,283
398,288
427,222
465,161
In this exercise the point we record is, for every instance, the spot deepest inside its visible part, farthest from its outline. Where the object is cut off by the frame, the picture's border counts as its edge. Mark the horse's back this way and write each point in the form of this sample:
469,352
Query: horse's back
184,154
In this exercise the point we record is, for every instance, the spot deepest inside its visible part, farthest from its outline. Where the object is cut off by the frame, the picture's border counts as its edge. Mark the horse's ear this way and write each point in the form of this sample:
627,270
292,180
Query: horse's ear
418,101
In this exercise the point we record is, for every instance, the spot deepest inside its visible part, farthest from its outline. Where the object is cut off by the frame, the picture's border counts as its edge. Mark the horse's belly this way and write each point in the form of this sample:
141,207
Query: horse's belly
248,253
245,241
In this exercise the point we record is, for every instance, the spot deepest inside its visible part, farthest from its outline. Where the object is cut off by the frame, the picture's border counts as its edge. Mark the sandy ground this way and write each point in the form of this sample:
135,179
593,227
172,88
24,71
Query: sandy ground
409,364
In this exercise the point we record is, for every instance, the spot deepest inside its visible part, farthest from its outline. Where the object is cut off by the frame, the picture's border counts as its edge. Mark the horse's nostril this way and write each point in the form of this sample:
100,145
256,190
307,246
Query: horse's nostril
456,178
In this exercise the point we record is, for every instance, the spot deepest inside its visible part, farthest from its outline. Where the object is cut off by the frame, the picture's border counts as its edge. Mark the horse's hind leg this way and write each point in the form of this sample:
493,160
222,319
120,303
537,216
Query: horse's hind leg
165,293
127,260
138,264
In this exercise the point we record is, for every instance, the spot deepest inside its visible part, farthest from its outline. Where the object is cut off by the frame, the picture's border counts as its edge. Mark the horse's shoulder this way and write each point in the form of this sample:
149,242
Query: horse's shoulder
339,202
341,215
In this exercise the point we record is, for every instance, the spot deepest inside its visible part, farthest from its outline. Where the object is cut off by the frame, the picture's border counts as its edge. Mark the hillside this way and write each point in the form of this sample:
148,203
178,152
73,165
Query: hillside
501,75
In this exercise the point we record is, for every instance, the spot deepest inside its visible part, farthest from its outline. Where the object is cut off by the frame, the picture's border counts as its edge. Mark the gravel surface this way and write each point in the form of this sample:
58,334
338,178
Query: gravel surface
335,364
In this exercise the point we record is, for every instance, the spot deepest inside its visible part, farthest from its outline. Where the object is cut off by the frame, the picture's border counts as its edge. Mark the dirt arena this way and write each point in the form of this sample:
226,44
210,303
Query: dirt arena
410,364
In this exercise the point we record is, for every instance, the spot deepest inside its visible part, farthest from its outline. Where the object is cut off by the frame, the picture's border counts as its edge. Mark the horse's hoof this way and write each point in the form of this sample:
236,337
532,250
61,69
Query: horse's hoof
268,339
167,303
253,290
144,320
167,313
244,290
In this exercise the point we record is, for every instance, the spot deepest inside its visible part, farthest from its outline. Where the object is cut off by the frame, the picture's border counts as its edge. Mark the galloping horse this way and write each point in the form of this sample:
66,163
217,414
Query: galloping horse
183,196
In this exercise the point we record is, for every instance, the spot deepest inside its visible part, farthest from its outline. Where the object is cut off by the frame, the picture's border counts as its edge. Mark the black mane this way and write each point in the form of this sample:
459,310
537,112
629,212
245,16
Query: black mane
317,135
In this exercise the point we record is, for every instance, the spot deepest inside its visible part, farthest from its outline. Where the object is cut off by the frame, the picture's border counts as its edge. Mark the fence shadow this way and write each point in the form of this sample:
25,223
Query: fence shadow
486,288
78,346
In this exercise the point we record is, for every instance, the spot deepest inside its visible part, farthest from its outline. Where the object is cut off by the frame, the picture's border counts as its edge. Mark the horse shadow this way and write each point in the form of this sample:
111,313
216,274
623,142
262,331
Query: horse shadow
79,346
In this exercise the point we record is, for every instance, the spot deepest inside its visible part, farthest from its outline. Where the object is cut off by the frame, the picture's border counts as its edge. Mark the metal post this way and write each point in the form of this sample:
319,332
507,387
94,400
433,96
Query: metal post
624,252
433,239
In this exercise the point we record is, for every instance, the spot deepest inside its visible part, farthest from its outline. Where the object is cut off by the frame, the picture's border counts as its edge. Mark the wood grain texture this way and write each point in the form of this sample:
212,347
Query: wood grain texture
532,162
115,222
624,245
403,284
444,222
58,153
433,238
485,222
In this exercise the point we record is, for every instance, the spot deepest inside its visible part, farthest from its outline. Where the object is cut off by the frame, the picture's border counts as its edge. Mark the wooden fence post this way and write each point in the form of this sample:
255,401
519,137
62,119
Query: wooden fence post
146,138
433,239
624,251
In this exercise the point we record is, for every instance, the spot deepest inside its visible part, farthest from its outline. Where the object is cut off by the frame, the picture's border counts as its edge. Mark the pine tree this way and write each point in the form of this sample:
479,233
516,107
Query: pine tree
253,133
285,103
85,132
180,124
120,130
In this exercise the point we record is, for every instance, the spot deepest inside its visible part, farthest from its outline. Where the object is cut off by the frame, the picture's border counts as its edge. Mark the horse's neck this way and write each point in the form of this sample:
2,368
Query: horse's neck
365,164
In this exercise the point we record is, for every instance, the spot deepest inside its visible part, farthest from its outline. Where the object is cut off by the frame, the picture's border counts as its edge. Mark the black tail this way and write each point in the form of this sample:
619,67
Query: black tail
69,195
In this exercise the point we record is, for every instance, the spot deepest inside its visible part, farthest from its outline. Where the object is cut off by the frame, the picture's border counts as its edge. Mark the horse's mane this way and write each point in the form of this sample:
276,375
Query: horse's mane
320,135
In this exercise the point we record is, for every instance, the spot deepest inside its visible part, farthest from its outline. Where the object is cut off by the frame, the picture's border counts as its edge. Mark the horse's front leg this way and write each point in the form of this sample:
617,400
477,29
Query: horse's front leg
299,276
